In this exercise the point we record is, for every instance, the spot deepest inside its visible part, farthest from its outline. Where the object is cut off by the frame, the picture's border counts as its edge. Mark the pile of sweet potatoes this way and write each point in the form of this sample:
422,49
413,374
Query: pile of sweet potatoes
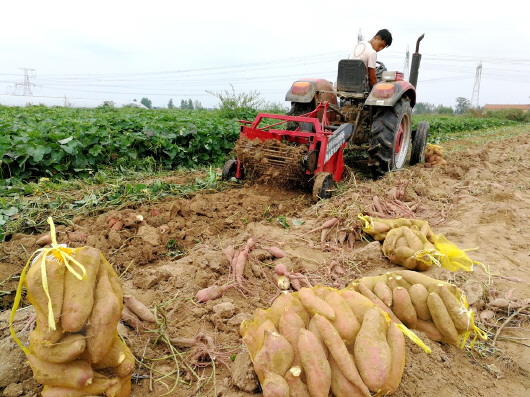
436,308
320,340
77,350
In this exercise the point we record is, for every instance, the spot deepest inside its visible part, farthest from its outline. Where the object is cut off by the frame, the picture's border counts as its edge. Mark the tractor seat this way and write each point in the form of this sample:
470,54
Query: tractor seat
352,77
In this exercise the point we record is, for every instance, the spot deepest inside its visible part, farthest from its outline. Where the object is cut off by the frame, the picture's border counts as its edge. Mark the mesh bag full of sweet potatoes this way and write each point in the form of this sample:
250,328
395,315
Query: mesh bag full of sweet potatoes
75,349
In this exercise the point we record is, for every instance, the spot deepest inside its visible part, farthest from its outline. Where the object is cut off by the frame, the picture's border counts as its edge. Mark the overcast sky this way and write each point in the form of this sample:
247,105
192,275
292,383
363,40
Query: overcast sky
125,50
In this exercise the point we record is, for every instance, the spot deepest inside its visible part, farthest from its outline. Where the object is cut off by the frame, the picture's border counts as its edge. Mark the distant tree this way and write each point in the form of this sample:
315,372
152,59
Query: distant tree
190,104
170,104
183,104
146,102
197,104
423,108
441,109
462,105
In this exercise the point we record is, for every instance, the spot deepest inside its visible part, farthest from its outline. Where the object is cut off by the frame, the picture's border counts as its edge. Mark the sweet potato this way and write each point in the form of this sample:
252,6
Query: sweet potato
55,276
429,329
340,353
460,315
138,308
401,282
297,388
285,301
417,278
254,336
66,349
396,342
114,280
345,321
358,303
378,302
442,319
79,294
104,318
122,388
274,385
315,364
403,308
413,241
277,252
371,281
74,374
418,296
313,304
47,335
340,385
119,358
210,293
131,319
401,254
312,326
98,387
290,325
383,292
372,352
280,352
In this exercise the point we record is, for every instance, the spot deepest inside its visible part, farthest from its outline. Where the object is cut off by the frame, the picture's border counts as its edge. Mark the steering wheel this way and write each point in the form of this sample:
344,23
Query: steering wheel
379,69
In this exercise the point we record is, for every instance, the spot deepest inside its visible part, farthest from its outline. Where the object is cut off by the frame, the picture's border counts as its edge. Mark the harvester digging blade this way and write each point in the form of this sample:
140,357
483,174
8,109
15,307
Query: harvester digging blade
272,160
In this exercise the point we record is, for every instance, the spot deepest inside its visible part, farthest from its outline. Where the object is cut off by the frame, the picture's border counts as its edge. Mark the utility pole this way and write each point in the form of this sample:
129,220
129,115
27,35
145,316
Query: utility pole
476,87
406,67
27,84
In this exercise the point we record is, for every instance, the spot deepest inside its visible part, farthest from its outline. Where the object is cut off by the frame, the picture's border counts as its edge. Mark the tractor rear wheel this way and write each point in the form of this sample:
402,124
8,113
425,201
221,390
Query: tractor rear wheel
297,109
390,138
419,142
229,170
323,186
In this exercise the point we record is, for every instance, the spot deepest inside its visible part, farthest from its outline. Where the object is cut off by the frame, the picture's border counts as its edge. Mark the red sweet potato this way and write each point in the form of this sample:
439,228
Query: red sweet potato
315,364
418,296
74,374
460,315
372,352
396,342
313,304
55,276
103,320
138,308
403,308
297,388
98,387
275,385
383,292
340,353
340,385
286,301
79,294
442,319
290,325
358,303
66,349
345,321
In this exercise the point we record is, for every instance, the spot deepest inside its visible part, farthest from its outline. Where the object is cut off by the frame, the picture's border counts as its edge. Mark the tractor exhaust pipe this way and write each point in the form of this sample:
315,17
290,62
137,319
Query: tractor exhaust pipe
415,65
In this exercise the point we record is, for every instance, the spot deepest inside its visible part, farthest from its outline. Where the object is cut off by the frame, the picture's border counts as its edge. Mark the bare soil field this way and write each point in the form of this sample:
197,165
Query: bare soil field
480,200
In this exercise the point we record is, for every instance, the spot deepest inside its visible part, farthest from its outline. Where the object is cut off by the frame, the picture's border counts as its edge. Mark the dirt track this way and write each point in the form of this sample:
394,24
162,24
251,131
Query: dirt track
480,199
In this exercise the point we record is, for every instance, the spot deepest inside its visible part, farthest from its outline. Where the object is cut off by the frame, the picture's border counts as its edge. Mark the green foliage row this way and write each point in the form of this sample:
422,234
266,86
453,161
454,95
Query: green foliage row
441,127
40,141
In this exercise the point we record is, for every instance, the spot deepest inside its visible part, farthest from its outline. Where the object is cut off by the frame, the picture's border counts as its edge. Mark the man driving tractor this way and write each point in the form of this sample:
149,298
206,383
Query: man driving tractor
367,51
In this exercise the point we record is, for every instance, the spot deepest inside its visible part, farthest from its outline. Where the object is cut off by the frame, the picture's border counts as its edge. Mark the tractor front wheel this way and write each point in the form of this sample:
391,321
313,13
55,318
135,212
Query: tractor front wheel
390,138
323,186
419,142
229,170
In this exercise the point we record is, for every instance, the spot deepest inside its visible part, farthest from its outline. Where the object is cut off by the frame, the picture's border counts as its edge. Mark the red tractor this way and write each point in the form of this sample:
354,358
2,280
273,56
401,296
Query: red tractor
323,119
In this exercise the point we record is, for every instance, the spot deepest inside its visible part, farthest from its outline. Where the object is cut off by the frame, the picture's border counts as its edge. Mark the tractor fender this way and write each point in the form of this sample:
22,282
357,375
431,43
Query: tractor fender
311,90
388,93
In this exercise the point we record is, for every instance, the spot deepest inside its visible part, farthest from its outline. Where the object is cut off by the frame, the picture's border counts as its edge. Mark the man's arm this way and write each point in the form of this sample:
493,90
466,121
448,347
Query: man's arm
372,78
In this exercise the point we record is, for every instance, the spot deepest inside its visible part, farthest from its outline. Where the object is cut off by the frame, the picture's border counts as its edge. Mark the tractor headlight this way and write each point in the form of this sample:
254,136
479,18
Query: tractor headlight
383,90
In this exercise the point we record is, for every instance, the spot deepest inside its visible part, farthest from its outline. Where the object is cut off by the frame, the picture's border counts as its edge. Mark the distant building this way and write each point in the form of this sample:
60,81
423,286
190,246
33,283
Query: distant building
524,108
25,100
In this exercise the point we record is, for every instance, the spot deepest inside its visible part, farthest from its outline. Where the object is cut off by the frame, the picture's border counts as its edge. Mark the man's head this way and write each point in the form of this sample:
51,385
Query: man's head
381,40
